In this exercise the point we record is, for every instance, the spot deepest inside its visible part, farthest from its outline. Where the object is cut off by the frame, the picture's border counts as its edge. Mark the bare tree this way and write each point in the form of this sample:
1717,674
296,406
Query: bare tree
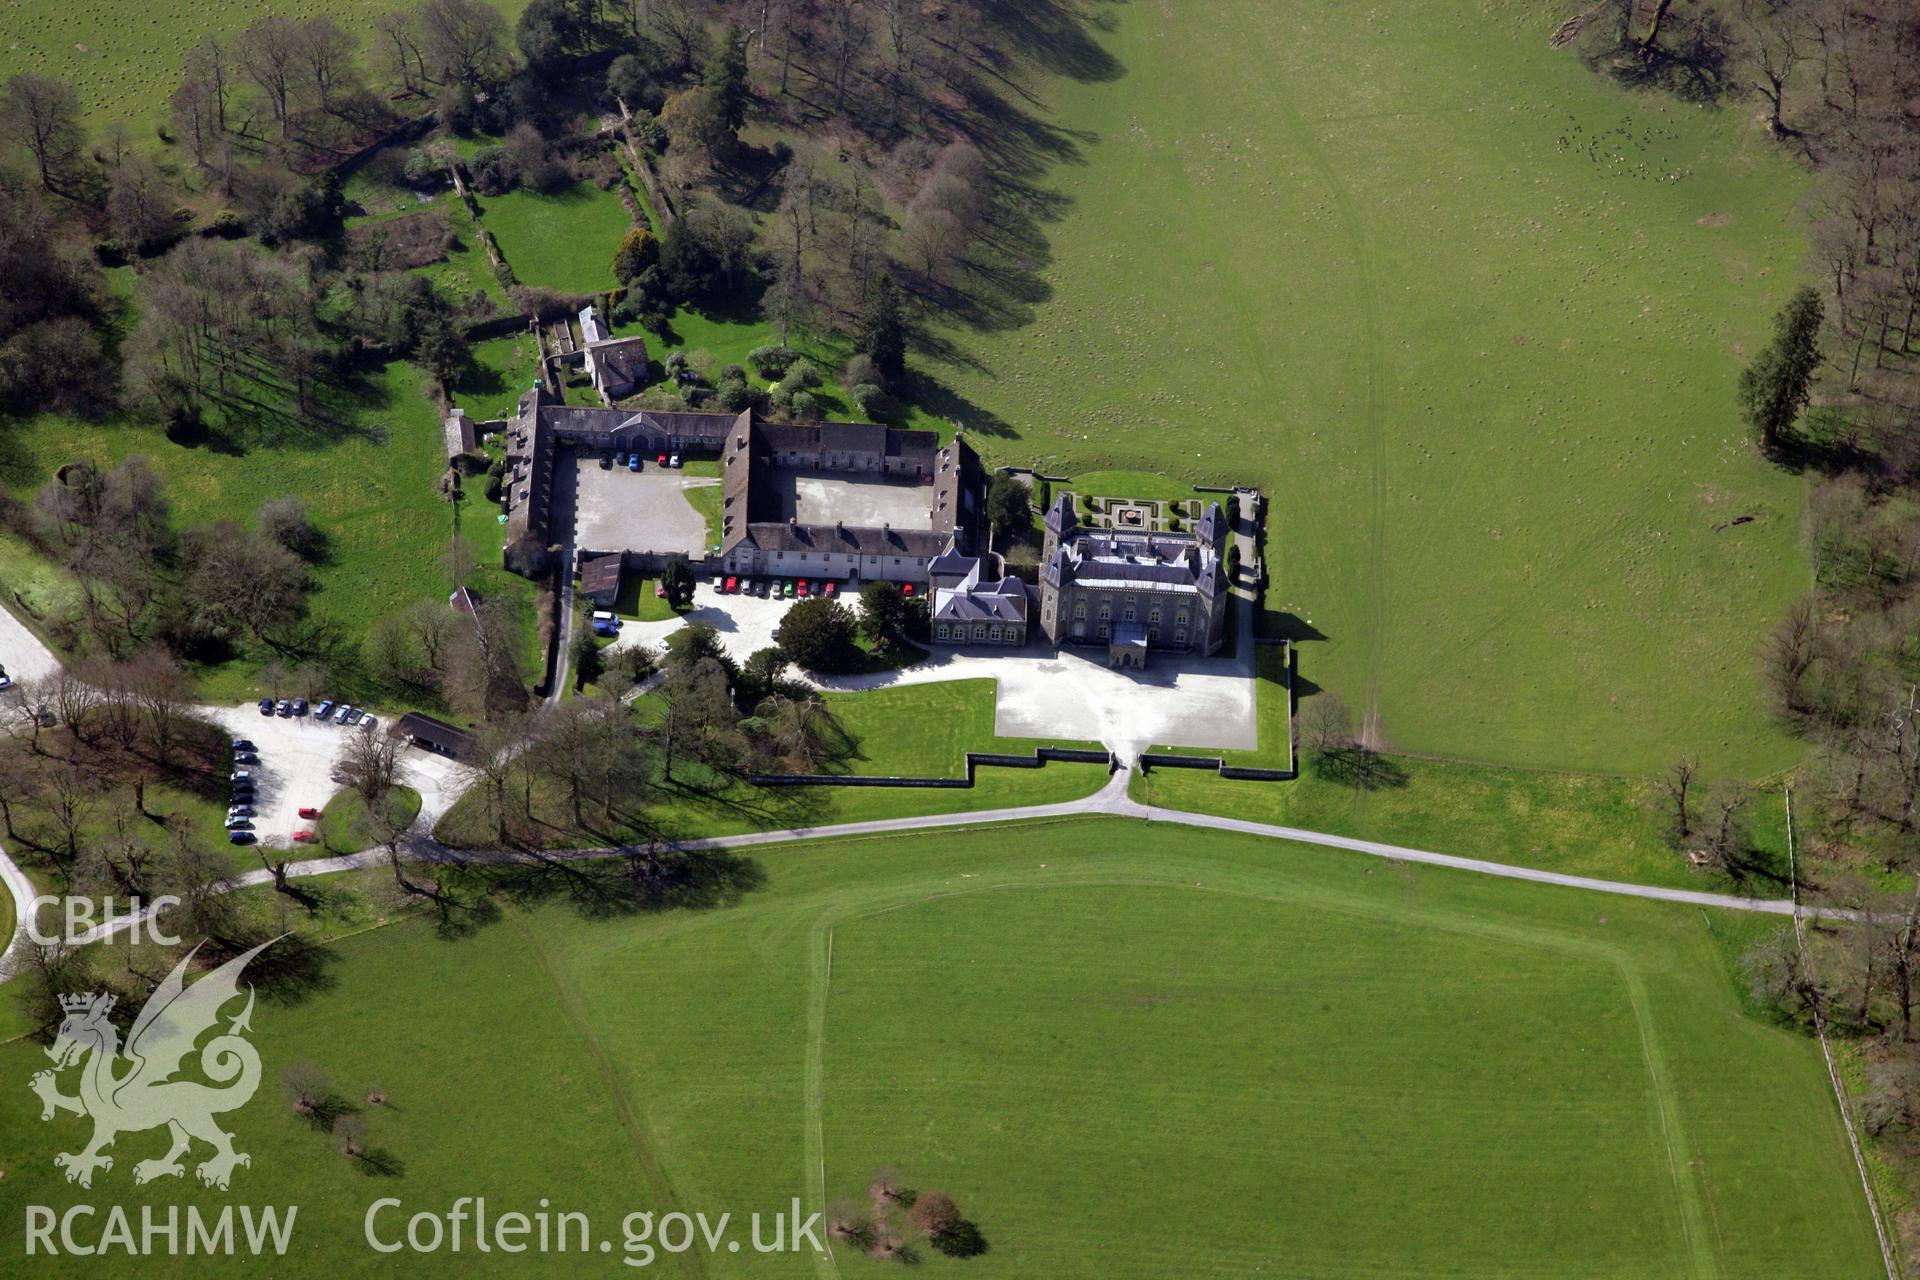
1327,722
42,114
1677,784
1772,36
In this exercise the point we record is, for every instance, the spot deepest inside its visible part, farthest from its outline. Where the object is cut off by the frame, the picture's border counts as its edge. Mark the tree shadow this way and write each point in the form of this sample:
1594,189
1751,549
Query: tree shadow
636,879
1359,768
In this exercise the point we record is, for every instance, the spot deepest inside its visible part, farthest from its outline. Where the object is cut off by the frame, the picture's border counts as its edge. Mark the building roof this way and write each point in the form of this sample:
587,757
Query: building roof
437,735
1136,562
591,330
600,575
775,535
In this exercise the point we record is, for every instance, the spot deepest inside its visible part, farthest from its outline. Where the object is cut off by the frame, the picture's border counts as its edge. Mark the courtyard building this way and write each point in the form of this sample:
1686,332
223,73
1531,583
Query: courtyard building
1134,591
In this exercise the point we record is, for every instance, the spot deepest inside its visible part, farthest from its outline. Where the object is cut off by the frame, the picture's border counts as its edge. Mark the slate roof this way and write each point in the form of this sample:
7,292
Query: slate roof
1153,562
600,575
774,535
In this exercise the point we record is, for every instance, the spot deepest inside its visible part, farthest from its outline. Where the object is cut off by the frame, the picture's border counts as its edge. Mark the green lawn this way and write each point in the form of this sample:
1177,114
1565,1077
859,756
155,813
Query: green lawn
369,480
1487,381
725,340
1125,1051
125,57
343,823
502,369
1582,824
564,241
917,730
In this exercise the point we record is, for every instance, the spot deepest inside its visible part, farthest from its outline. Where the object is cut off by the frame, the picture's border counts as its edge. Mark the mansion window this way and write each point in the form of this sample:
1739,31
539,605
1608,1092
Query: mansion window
1153,615
1129,614
1106,612
1179,635
1079,608
1104,629
979,632
942,632
1153,635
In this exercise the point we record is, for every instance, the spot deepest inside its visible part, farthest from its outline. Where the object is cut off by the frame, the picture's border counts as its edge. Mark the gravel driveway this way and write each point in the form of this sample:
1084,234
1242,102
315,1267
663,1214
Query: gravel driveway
1069,694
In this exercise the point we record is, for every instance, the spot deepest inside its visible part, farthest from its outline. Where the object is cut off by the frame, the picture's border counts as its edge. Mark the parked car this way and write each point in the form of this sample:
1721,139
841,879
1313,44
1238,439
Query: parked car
308,811
604,631
300,706
674,461
241,823
730,586
266,706
831,589
907,589
353,715
320,712
635,464
303,837
366,725
239,811
606,462
283,709
244,744
788,593
659,591
803,588
242,837
660,460
340,778
245,757
6,681
344,715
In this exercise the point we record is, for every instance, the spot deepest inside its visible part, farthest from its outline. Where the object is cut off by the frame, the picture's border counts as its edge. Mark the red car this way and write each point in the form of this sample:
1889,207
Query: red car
907,590
303,837
803,586
833,589
733,585
661,460
308,811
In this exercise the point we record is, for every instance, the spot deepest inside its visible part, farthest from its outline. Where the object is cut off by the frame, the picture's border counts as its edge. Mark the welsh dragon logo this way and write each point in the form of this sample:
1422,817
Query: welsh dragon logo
132,1089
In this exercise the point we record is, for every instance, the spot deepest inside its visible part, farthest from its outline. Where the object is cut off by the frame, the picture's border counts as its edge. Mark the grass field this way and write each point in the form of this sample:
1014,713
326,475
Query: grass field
125,57
913,730
1486,377
1126,1052
564,241
369,482
1582,824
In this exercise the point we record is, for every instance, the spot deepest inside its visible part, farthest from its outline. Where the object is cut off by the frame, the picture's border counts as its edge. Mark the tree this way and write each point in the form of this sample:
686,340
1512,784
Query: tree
284,521
1327,724
638,250
1009,509
546,33
1775,387
882,333
1772,35
306,1086
42,114
350,1134
678,581
724,81
934,1213
817,633
883,610
463,41
241,584
1677,784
